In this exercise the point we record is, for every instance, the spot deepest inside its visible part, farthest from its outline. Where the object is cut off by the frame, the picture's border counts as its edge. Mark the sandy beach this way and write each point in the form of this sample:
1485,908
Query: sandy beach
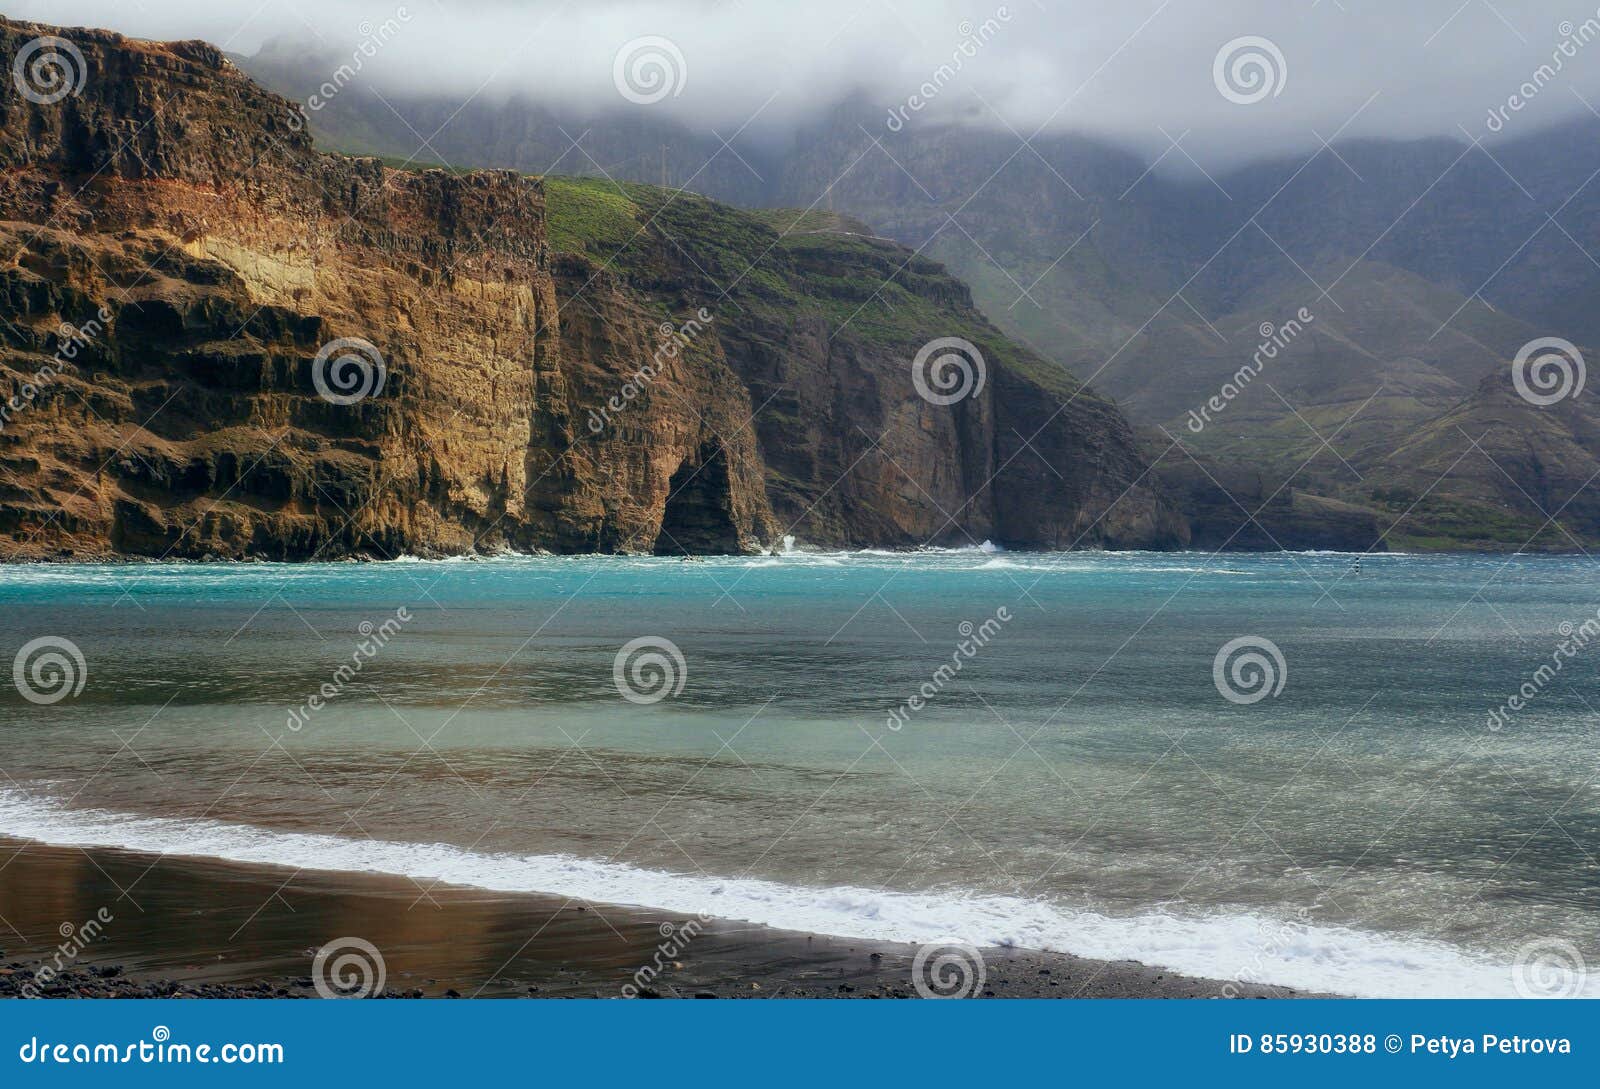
137,925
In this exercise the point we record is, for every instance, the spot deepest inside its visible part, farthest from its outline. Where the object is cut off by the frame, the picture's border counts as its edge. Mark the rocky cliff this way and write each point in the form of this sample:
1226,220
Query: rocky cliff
1427,263
822,323
217,341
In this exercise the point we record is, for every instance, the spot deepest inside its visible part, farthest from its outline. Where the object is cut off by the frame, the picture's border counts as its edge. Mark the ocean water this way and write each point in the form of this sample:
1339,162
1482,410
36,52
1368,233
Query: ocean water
784,749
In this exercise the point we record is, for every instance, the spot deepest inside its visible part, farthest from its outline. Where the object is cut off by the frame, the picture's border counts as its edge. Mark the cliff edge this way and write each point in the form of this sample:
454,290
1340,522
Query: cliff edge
216,341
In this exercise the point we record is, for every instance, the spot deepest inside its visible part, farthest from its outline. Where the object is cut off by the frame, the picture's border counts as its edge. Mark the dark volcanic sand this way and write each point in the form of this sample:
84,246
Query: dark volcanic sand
199,928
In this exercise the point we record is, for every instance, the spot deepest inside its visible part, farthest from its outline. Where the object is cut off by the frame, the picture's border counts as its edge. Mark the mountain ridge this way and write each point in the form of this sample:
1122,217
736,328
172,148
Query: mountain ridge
1429,264
241,273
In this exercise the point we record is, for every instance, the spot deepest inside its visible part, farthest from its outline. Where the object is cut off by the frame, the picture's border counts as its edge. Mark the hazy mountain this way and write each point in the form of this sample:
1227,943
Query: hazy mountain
1426,264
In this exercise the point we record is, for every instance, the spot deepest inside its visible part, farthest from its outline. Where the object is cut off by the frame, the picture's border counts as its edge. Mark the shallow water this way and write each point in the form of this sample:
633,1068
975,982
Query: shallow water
1079,784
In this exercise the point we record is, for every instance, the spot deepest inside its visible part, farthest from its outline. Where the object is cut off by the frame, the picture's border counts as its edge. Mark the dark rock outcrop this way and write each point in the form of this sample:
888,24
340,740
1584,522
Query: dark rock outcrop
177,263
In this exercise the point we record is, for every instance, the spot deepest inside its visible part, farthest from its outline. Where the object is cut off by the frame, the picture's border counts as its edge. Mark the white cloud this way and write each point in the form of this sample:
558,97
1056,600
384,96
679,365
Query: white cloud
1125,70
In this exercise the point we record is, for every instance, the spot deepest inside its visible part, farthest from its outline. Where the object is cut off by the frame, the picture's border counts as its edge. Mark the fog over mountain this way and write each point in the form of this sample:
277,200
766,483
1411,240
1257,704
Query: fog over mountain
1141,73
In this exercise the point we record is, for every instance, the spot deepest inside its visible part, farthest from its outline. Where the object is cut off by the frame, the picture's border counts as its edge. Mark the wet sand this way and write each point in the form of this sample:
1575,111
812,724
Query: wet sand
141,925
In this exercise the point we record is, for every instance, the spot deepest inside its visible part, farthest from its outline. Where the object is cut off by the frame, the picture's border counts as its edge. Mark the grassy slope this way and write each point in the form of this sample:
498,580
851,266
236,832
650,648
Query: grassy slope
782,262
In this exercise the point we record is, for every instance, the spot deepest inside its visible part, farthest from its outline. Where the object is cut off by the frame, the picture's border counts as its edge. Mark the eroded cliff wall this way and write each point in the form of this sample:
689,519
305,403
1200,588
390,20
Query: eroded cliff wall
176,216
217,341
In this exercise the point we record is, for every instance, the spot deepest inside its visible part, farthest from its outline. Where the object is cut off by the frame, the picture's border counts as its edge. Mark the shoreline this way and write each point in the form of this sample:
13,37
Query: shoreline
203,928
135,560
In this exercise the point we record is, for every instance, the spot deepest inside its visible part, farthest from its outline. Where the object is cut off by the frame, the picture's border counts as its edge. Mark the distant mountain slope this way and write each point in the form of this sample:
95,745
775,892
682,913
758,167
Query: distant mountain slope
1496,469
1469,220
1383,342
1427,264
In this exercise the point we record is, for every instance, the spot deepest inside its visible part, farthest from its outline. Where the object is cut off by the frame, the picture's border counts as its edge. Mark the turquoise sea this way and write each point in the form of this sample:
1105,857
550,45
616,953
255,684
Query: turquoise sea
997,748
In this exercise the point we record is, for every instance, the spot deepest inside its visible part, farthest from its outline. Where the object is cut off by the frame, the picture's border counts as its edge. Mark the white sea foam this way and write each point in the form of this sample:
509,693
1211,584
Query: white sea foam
1328,959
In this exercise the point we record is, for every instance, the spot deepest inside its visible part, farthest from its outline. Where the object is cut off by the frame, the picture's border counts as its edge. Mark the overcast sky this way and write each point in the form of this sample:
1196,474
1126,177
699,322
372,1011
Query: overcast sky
1127,69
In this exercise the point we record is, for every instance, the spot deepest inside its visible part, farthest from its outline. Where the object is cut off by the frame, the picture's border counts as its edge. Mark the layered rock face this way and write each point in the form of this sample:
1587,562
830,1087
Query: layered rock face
220,342
824,325
188,205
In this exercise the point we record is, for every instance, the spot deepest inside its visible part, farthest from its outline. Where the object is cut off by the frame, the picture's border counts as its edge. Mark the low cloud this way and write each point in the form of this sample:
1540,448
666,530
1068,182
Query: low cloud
1140,72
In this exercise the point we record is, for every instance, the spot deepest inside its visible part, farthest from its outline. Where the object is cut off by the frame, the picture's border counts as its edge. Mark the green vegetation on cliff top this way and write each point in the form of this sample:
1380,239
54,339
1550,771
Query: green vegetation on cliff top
866,290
